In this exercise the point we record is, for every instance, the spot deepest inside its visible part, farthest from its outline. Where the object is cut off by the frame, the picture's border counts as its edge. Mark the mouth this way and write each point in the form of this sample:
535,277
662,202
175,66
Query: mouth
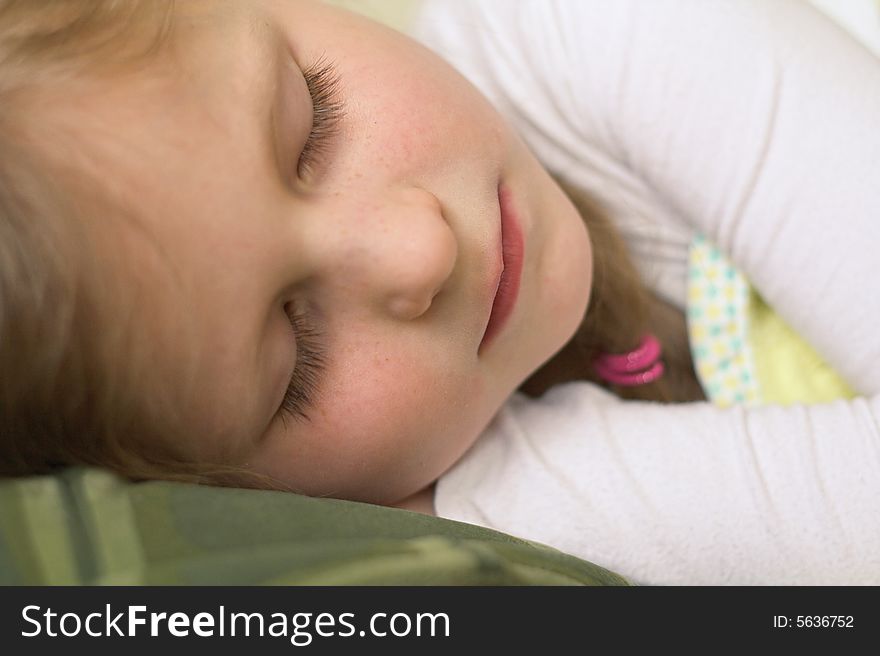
507,286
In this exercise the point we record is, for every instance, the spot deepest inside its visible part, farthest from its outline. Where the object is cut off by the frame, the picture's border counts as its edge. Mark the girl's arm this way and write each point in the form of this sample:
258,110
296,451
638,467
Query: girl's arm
754,123
686,494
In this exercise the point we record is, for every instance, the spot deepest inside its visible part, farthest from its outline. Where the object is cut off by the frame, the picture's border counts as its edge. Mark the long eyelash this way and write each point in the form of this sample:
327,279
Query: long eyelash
322,80
310,362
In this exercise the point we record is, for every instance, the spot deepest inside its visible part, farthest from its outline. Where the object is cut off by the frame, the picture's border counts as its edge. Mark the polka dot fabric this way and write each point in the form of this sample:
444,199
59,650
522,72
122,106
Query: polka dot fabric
717,320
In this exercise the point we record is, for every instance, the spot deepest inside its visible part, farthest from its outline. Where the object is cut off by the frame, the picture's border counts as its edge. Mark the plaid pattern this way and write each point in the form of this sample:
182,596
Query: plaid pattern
86,526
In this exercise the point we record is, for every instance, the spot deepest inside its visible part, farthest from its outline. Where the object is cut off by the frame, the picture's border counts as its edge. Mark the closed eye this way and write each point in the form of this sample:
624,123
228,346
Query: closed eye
310,362
322,80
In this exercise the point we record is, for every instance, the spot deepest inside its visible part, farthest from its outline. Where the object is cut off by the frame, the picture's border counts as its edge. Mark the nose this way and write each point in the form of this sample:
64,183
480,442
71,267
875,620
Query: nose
393,250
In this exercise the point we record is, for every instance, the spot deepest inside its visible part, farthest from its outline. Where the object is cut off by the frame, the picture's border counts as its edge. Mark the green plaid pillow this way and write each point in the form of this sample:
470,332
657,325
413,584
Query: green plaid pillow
87,526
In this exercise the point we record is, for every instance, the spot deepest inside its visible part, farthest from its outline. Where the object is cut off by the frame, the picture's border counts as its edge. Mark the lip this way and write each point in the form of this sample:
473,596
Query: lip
507,282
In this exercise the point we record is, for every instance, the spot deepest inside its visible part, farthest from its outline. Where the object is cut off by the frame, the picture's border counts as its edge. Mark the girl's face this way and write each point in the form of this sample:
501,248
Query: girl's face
378,230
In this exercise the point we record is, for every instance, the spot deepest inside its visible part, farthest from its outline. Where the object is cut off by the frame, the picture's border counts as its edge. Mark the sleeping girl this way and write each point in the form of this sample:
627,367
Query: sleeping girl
274,244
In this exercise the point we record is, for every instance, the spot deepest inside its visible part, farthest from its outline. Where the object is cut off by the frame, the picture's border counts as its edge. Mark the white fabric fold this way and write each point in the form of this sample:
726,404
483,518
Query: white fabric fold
756,124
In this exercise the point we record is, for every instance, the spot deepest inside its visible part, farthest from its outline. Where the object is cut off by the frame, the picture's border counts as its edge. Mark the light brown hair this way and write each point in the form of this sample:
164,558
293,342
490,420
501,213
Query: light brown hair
65,396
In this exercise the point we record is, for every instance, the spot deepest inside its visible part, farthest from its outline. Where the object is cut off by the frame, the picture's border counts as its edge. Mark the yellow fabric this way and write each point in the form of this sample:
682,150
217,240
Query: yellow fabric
788,369
744,353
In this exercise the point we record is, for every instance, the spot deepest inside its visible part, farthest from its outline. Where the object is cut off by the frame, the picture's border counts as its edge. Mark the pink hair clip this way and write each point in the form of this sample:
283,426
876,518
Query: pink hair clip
637,367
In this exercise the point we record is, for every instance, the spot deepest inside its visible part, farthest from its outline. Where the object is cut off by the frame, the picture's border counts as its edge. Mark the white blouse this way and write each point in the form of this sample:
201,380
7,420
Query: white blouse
756,124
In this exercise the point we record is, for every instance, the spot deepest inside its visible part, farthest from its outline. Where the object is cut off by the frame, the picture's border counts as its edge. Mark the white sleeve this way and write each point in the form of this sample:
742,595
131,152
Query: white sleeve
754,123
685,494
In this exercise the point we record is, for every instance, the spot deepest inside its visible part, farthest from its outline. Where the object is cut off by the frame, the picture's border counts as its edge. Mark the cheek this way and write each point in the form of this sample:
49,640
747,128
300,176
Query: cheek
382,431
421,113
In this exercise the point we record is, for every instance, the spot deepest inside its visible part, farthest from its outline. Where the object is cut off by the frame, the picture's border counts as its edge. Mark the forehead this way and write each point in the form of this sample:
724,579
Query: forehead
157,158
147,137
